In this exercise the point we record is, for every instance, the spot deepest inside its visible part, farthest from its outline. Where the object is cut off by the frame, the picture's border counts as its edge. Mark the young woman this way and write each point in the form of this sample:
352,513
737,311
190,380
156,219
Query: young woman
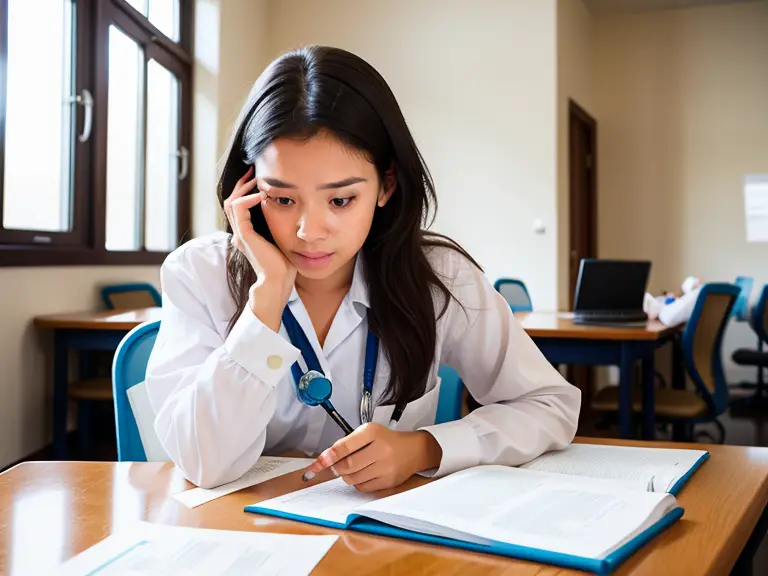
325,267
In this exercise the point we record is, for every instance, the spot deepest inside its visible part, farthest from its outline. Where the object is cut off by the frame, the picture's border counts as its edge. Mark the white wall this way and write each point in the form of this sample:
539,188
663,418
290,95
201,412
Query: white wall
476,82
683,103
230,53
576,81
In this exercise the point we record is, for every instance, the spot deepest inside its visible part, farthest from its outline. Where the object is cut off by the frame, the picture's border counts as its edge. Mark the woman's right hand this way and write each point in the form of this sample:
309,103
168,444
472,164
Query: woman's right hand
274,272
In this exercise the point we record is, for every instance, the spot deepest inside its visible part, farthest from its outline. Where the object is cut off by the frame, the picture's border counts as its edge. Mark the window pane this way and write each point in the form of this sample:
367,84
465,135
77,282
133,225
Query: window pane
124,143
164,14
140,5
162,162
39,131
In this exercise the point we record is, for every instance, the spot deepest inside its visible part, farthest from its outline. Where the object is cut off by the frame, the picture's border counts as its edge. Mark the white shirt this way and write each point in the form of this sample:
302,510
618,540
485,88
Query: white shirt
220,404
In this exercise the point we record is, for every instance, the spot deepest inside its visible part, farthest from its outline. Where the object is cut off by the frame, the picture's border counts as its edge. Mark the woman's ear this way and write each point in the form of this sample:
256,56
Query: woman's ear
388,186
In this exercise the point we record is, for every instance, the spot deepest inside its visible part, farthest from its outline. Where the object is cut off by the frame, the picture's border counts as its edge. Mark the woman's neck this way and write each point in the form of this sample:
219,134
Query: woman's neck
322,298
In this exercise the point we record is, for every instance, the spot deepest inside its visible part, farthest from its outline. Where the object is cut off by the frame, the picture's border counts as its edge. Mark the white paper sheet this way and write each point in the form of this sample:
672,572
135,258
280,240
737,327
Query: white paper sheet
756,207
175,551
266,468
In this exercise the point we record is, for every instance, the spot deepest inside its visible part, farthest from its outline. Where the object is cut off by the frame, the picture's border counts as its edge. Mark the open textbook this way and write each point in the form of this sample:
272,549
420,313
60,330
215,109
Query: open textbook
588,507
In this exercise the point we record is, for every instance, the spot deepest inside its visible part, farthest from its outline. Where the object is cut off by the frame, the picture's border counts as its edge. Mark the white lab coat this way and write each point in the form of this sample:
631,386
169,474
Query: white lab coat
222,400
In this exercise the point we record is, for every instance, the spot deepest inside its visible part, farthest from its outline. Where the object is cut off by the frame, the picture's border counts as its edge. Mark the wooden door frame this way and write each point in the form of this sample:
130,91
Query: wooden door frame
577,113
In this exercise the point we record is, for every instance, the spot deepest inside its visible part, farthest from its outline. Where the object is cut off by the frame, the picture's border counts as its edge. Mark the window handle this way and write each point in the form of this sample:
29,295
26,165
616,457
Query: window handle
183,153
86,101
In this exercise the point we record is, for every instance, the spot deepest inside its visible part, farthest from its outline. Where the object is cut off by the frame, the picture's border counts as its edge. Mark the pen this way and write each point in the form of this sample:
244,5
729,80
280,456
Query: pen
336,417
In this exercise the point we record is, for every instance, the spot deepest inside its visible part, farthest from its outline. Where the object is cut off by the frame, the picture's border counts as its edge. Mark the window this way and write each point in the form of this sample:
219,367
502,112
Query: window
94,145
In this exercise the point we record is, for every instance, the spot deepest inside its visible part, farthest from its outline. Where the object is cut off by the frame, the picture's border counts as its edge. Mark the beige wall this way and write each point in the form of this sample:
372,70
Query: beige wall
576,80
25,379
476,82
683,104
230,53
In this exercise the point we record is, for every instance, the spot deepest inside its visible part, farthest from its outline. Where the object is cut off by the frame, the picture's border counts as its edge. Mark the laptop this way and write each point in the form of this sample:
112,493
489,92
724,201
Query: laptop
611,292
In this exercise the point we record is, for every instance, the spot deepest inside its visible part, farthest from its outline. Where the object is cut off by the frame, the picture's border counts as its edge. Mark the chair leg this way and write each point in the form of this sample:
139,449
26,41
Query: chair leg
721,429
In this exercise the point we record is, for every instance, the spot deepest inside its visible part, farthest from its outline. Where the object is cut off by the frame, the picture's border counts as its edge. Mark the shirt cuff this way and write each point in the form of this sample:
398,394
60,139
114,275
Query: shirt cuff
460,445
262,352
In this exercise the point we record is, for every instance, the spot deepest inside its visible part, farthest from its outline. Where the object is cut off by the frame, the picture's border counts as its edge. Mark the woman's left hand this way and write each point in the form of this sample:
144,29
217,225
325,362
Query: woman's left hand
373,457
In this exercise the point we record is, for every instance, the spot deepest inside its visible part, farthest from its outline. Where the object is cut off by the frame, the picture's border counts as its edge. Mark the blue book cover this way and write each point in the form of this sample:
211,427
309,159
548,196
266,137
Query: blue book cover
598,566
561,501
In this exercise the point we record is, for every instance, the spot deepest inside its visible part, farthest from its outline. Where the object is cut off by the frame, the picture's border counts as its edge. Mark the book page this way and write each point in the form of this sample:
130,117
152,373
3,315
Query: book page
267,467
176,551
651,469
331,501
582,517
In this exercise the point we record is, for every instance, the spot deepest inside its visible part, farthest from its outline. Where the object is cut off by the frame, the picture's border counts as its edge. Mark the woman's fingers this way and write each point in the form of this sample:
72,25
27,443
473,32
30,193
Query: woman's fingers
244,186
356,461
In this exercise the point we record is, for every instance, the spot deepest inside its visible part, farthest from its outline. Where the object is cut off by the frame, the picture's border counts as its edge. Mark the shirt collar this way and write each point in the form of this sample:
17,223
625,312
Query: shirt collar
358,291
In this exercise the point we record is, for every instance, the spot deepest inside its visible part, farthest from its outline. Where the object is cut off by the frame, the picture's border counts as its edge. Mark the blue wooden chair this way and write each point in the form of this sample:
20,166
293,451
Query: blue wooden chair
451,395
130,296
129,372
515,293
702,355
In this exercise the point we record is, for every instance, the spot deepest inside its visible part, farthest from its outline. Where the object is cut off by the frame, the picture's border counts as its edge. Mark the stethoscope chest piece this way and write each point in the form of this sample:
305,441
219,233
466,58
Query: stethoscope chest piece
314,388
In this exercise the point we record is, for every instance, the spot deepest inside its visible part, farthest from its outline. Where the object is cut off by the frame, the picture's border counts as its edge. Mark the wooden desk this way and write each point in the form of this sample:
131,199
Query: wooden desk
84,332
561,325
564,342
50,511
122,320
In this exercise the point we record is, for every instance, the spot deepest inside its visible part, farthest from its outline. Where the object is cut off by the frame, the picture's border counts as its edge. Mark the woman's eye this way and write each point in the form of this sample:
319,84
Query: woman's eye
283,201
341,202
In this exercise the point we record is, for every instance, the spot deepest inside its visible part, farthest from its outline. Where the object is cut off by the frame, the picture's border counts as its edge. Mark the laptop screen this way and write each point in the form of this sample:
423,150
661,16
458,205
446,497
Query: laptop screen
614,285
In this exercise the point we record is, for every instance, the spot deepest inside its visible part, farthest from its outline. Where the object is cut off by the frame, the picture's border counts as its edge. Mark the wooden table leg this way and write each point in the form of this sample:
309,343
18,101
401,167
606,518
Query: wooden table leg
649,427
625,391
60,380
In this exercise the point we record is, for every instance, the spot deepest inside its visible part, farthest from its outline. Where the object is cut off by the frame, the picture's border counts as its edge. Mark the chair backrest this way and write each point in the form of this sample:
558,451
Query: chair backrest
702,343
515,293
128,371
130,296
760,316
741,308
451,395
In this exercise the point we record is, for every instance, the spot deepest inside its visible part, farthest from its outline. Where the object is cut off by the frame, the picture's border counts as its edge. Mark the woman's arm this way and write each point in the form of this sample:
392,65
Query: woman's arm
528,408
212,397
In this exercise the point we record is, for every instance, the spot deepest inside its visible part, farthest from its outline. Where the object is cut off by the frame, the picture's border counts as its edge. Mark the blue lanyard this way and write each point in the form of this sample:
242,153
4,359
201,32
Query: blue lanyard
300,340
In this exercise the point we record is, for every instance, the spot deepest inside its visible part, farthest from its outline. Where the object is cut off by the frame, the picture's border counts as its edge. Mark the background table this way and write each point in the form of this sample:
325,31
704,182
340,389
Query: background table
564,342
83,332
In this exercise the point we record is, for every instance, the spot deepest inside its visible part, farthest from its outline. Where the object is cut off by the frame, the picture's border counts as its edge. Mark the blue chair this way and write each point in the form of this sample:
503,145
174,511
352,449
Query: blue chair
741,308
130,296
130,367
451,395
756,357
515,293
128,370
702,354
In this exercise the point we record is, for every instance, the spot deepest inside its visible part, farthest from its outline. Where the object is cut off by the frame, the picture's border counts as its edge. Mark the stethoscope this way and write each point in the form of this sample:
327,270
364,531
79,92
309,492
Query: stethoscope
314,389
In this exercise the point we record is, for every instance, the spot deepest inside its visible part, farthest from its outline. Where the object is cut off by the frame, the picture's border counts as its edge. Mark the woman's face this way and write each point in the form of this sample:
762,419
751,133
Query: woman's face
321,196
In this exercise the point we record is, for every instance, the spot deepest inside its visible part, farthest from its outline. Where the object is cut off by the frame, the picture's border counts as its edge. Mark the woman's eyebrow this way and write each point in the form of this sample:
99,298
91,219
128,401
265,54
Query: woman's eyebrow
342,183
276,183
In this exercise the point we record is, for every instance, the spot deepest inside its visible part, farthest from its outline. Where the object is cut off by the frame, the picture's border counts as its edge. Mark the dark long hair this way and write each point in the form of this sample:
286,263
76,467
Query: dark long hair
327,89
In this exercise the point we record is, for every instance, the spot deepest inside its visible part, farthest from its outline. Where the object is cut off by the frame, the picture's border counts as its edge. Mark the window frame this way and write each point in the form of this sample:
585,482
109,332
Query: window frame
85,244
